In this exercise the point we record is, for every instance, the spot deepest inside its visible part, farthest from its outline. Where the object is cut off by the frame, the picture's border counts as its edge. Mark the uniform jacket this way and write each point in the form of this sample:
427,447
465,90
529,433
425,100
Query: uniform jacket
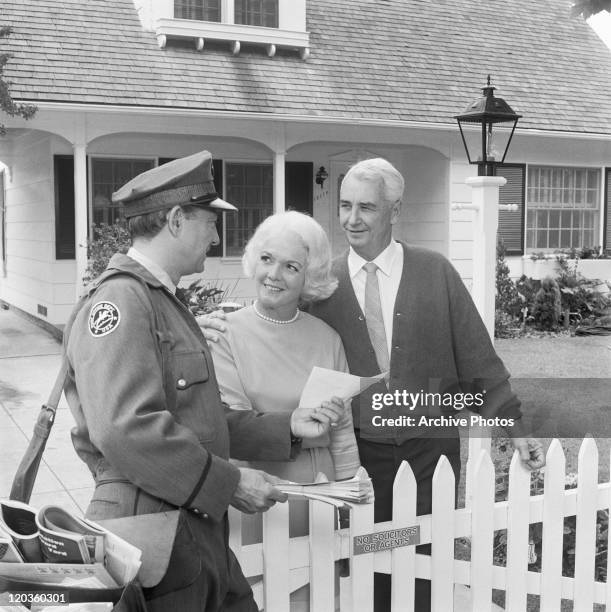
439,343
171,440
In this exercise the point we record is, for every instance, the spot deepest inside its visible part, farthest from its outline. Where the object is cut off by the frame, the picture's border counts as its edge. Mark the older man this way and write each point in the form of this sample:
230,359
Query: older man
142,388
405,310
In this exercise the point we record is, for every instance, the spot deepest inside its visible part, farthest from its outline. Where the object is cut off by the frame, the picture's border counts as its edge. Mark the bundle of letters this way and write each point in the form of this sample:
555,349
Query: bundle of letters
356,490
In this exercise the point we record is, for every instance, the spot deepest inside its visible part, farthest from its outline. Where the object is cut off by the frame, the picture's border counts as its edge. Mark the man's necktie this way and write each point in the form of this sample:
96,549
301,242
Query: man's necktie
373,317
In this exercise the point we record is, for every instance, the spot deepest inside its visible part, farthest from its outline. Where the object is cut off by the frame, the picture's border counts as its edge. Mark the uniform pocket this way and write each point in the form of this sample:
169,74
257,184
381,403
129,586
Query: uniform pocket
189,368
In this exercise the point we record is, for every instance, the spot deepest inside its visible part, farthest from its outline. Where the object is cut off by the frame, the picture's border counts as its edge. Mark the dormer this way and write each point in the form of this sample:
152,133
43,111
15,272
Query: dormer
271,24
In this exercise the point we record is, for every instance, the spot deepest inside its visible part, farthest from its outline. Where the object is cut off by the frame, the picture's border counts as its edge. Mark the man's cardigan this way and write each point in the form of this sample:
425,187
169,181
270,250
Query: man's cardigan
439,346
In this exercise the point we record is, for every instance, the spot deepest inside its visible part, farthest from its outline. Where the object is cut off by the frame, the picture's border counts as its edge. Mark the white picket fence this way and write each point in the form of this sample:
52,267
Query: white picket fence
287,564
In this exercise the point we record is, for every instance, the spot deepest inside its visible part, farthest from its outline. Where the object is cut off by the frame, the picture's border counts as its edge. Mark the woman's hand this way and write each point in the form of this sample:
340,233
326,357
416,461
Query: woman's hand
313,422
212,323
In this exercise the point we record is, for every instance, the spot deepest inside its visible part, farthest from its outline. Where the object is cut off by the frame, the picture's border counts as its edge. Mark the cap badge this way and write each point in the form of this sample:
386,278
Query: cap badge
103,319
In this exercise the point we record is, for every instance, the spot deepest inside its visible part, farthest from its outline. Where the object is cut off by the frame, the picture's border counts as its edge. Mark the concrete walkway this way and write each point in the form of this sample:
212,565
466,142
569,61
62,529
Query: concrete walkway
29,362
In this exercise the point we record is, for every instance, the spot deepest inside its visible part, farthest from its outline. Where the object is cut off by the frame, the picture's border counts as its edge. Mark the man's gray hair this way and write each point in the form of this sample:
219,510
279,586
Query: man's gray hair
383,172
319,282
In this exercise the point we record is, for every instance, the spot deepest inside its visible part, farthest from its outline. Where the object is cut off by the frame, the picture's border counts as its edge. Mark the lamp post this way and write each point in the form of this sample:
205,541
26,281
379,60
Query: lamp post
486,148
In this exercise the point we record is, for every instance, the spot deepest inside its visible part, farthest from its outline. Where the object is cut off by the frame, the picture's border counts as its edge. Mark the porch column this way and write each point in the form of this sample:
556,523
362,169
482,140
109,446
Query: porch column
80,213
279,181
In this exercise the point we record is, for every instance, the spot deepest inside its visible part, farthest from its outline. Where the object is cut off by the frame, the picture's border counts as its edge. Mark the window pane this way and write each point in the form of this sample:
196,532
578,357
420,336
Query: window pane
200,10
563,204
107,175
250,188
257,12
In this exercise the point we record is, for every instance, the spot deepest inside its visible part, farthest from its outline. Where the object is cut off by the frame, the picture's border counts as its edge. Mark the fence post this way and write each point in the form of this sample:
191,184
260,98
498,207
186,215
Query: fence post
518,498
361,566
442,537
553,528
403,559
482,532
322,565
585,536
276,571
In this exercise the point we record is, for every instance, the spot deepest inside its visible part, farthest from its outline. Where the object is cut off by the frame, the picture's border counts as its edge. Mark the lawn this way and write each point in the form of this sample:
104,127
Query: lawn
564,384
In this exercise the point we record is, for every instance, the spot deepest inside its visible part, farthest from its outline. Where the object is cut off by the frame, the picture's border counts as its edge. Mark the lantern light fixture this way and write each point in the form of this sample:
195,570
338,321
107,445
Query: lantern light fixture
321,176
488,111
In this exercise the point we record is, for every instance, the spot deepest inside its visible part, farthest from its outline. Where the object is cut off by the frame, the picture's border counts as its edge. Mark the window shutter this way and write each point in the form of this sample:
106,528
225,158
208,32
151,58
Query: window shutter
607,213
299,179
64,207
511,224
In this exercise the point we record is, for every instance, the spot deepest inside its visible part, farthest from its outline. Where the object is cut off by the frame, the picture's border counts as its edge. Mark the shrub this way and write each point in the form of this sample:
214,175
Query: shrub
107,240
547,305
507,302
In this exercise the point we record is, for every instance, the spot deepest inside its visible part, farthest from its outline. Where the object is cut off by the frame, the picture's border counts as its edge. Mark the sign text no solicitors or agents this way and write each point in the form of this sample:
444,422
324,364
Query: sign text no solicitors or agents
386,540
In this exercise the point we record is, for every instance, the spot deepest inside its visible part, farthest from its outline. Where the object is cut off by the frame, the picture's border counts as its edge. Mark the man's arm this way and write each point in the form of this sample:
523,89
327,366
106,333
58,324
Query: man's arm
477,361
119,381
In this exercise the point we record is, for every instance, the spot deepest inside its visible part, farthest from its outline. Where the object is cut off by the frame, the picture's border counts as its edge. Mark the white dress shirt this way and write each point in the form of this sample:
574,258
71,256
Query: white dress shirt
154,268
390,268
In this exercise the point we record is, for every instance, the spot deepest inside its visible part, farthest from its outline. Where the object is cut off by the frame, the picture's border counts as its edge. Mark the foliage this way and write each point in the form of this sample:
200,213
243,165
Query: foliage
7,104
107,240
547,305
202,298
508,302
587,8
593,252
579,298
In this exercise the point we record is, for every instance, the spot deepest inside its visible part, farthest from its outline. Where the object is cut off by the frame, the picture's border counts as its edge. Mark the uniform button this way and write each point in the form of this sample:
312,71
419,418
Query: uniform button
182,382
195,511
361,318
398,314
204,515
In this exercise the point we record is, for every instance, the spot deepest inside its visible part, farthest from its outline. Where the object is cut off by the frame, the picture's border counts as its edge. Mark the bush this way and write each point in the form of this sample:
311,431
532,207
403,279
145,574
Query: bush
107,240
547,305
508,303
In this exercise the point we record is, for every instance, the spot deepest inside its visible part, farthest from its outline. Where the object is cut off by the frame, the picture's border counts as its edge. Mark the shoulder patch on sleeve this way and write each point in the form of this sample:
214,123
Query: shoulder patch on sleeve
104,318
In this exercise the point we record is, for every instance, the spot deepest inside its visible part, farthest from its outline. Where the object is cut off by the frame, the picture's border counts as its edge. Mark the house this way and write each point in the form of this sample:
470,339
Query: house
280,90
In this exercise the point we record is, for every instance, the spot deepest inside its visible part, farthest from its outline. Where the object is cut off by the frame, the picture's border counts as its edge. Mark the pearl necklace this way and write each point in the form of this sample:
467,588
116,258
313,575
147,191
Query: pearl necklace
277,321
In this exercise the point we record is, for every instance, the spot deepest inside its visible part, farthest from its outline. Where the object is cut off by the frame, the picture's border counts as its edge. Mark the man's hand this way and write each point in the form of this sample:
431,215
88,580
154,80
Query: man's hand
255,491
313,422
531,452
530,449
211,324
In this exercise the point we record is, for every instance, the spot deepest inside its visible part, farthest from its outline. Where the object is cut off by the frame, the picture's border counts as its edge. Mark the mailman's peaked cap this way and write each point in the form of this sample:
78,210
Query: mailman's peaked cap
188,180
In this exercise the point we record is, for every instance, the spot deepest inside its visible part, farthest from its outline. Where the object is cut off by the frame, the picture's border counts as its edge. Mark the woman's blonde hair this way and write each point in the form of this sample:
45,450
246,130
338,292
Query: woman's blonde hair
319,281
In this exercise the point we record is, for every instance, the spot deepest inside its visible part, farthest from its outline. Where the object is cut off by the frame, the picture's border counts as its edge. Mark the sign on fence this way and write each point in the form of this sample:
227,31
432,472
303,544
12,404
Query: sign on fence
385,540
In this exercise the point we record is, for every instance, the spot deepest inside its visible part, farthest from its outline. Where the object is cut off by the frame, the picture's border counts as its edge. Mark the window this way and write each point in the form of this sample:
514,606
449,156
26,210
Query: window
257,12
107,175
250,188
63,168
200,10
563,207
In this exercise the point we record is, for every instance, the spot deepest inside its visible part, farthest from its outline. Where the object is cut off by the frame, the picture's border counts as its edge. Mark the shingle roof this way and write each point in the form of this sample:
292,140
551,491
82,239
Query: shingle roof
407,60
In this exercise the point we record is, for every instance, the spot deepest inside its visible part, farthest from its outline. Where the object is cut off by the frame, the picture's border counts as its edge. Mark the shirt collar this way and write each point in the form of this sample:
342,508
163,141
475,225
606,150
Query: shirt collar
384,260
154,268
